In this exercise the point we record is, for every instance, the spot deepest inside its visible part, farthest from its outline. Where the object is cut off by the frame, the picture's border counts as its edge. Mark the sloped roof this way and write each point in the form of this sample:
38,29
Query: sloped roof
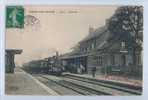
94,34
67,55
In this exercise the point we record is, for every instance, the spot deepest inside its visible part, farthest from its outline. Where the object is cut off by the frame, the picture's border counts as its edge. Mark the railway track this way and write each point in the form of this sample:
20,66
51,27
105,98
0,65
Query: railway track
118,86
73,85
83,90
55,86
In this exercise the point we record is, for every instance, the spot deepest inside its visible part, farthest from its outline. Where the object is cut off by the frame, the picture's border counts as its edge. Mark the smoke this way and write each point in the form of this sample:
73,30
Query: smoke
34,54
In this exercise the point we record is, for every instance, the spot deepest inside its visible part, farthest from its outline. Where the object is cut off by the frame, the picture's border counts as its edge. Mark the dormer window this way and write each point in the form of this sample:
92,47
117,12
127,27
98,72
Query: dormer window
123,47
122,44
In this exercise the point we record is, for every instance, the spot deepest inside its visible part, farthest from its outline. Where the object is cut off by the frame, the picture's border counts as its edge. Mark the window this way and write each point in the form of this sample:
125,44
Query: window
100,62
123,57
123,44
123,47
92,46
112,60
138,60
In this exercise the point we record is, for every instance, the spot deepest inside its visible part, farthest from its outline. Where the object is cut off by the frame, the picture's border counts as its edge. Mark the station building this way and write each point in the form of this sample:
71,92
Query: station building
108,54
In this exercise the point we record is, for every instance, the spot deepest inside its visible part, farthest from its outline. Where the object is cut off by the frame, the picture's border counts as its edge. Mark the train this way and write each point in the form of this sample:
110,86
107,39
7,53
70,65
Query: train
52,65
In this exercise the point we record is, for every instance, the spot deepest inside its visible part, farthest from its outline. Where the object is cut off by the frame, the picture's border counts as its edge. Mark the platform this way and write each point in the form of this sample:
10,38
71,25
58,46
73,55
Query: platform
113,78
21,83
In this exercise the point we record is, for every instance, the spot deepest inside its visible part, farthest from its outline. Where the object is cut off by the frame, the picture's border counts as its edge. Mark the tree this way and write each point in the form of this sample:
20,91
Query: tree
127,20
127,24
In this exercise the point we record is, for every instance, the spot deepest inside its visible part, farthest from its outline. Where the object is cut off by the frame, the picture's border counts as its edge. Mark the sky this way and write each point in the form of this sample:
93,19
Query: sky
56,28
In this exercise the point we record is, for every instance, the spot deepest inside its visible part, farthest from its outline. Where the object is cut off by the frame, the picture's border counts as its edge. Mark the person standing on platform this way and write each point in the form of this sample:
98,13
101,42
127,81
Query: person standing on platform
93,71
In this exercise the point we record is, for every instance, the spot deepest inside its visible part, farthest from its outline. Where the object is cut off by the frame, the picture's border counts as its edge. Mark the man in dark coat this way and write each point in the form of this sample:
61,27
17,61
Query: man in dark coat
93,71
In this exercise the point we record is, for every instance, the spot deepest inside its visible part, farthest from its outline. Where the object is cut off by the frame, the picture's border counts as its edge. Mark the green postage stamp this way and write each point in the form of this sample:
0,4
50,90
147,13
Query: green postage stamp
14,17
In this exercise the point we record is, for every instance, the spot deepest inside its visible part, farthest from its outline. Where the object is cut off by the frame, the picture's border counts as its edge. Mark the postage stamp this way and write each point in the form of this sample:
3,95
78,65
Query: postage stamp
14,17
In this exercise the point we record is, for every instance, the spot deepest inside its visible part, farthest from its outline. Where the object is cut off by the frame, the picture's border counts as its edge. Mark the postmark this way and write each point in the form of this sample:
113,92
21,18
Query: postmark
31,22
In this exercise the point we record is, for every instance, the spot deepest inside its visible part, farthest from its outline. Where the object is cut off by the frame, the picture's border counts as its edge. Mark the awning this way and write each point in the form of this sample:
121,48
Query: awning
14,51
80,55
74,56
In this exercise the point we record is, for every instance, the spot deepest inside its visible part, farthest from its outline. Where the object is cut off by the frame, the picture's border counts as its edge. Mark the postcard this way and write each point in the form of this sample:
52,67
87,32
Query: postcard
74,50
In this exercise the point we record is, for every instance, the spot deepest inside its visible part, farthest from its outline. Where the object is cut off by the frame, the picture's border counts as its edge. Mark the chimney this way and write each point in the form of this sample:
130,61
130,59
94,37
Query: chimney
91,29
107,22
57,53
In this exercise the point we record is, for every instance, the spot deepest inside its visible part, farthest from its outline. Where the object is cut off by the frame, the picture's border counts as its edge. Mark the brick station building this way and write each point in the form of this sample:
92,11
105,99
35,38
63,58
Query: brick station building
95,50
9,59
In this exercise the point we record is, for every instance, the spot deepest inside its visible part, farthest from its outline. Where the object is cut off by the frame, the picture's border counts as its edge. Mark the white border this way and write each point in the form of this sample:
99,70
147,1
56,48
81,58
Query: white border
2,39
3,3
78,2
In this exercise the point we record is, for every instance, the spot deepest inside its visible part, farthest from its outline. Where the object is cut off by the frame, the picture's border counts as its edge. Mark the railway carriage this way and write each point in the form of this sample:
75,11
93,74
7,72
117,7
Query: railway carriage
51,65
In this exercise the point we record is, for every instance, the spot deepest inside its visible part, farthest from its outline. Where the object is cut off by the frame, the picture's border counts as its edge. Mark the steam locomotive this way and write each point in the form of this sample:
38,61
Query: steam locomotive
52,65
